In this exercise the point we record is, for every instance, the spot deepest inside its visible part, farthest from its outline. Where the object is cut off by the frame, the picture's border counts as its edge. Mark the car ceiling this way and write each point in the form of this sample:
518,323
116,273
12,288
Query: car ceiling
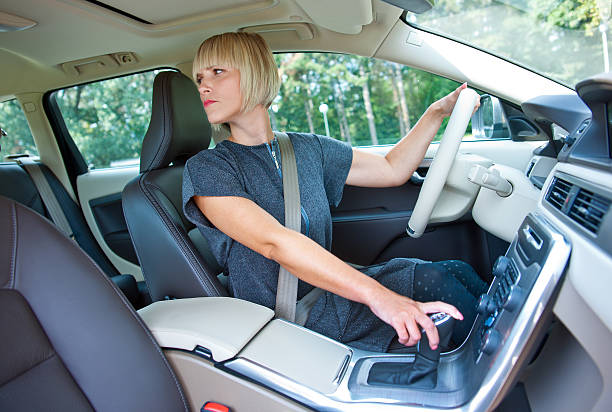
62,48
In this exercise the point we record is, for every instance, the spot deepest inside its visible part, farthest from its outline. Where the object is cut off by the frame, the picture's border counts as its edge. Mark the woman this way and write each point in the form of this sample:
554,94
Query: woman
233,193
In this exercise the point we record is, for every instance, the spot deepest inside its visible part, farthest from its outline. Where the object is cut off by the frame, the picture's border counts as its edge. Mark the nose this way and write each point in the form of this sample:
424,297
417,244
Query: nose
203,87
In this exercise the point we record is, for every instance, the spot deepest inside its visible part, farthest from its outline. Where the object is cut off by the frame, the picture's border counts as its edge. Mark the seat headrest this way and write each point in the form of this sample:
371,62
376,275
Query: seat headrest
179,127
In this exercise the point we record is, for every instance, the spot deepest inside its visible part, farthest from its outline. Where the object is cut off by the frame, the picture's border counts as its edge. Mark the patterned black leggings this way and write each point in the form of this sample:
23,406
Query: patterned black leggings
450,281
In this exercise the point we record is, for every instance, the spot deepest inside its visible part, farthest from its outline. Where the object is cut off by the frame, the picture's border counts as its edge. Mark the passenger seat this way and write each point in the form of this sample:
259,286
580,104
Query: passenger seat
70,341
19,186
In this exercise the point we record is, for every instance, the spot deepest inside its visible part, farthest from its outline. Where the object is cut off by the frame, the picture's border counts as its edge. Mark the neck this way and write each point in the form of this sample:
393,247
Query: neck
251,128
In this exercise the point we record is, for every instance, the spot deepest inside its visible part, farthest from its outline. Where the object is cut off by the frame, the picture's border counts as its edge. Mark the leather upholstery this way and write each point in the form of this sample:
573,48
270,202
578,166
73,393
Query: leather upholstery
172,263
179,127
71,341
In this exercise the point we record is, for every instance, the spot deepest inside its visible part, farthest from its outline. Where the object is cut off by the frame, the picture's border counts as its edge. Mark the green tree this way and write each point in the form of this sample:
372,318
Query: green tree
309,79
108,120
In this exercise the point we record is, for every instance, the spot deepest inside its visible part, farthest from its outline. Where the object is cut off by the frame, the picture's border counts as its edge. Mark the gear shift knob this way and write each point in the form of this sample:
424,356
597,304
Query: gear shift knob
423,372
444,323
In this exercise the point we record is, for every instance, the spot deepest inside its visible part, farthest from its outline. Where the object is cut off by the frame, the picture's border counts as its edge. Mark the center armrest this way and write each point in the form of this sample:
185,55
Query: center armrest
220,324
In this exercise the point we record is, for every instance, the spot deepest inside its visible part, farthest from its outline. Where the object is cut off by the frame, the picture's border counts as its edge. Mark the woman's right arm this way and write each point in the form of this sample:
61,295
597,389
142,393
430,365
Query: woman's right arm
246,222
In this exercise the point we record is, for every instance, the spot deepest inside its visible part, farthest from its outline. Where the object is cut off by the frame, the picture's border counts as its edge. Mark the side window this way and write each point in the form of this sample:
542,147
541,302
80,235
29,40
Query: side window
18,139
108,119
360,100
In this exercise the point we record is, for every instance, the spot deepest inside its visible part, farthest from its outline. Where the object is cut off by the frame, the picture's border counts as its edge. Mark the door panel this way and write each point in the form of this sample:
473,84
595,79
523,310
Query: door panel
369,225
375,231
100,197
108,214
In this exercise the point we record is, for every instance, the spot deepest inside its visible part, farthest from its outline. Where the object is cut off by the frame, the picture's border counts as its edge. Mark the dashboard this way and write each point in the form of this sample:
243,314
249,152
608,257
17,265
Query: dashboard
576,198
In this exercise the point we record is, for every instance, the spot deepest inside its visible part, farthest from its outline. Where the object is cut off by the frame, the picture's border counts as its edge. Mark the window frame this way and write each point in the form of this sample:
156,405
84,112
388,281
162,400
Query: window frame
73,158
6,138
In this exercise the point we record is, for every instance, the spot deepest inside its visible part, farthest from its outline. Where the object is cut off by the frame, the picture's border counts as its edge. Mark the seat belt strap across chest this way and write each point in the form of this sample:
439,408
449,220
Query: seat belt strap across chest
286,292
46,193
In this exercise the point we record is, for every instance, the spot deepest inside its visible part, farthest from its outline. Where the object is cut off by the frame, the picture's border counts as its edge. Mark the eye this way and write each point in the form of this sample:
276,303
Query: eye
217,71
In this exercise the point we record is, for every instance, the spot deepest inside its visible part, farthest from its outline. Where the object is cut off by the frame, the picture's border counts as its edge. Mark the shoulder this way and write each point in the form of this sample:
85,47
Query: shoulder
307,141
217,156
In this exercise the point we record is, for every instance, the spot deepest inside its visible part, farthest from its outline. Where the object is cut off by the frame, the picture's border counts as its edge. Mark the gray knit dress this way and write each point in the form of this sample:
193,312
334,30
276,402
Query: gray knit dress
232,169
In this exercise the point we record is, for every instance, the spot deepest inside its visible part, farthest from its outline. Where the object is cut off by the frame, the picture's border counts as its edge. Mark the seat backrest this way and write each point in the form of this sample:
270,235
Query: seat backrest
70,340
175,259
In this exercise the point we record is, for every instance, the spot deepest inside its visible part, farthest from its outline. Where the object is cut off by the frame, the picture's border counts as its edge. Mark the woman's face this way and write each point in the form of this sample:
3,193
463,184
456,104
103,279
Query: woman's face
219,88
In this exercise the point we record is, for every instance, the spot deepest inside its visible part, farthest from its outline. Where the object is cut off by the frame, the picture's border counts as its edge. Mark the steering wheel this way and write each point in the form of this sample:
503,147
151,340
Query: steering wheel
443,160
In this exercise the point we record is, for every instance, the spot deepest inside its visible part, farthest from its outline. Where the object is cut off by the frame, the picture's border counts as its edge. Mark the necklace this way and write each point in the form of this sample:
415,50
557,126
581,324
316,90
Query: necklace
272,151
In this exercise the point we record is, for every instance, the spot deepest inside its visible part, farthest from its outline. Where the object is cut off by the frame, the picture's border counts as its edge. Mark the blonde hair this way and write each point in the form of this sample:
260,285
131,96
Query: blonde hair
251,56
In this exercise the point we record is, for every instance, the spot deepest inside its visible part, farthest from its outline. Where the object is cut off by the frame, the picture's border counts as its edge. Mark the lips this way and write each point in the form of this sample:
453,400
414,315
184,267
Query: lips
209,102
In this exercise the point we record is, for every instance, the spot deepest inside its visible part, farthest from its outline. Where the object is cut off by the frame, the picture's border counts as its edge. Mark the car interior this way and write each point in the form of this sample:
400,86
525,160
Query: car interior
113,300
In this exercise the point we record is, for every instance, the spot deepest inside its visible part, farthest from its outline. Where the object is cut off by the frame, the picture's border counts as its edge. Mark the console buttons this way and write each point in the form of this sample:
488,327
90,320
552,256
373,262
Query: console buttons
491,341
489,322
486,305
514,299
501,266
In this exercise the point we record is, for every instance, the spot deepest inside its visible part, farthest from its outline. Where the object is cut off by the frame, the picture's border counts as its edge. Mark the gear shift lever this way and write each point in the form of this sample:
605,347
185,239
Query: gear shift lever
423,372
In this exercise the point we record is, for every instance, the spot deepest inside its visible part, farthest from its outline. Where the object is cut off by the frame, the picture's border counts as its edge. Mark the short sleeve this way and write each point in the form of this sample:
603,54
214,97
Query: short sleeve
209,174
337,159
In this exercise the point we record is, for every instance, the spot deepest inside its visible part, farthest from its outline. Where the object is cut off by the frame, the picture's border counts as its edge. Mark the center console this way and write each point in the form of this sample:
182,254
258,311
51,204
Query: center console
325,375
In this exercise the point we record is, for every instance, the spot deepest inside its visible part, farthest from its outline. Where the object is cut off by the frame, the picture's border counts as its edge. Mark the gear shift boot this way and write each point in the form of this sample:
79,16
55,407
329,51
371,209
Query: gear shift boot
423,372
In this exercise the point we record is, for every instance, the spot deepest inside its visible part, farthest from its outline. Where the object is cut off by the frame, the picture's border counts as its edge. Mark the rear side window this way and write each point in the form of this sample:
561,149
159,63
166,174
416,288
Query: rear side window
18,139
108,119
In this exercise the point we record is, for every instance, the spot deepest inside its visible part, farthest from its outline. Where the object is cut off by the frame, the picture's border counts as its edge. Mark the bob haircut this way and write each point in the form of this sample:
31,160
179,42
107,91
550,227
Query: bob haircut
251,56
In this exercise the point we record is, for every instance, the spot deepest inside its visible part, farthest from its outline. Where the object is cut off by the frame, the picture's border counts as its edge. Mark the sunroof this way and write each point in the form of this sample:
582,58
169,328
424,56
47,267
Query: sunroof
116,10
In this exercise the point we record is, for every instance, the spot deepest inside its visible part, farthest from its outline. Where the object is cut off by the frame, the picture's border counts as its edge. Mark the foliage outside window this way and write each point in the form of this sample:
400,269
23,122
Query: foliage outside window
369,101
19,138
108,119
566,40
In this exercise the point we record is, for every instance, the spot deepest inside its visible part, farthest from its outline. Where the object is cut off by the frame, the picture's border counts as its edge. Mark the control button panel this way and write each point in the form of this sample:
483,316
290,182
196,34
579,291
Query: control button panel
505,296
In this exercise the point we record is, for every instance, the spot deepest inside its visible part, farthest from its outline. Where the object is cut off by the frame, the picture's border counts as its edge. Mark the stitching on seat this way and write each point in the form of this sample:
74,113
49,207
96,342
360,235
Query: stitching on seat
174,232
109,283
13,256
165,143
51,356
187,251
131,311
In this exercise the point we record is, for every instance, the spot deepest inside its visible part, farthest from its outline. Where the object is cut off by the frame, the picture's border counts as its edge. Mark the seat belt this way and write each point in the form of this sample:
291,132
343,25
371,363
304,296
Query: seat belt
287,307
46,193
286,291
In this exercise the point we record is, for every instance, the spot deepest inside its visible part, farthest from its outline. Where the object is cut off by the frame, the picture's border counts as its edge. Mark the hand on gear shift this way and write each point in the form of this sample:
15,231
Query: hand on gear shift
423,372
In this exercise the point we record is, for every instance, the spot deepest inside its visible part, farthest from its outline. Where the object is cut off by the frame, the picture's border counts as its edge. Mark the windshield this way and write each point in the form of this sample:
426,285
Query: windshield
565,40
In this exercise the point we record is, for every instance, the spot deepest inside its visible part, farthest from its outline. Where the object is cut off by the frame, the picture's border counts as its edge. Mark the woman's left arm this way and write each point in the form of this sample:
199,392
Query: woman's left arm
394,169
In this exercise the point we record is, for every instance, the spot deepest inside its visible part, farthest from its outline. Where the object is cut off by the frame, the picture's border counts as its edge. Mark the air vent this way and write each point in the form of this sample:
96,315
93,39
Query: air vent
559,193
585,207
588,210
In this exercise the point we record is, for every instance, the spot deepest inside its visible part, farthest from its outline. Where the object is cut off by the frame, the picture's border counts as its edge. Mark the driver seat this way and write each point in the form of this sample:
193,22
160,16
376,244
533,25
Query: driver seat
174,257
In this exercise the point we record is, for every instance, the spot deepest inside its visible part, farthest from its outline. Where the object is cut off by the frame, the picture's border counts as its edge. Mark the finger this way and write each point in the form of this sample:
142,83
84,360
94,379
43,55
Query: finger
402,333
413,330
431,331
433,307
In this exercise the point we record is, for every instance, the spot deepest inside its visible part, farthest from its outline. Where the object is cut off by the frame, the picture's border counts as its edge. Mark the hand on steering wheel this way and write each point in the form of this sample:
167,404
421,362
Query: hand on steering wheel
438,171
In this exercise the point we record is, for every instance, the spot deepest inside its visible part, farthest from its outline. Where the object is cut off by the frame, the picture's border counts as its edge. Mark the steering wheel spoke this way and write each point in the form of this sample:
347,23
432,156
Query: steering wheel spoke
442,163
